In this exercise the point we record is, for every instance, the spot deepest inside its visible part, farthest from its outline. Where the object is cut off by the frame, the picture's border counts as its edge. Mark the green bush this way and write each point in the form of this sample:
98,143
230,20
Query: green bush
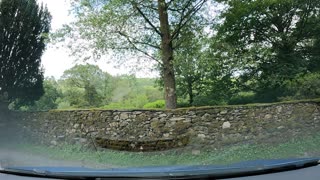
64,105
159,104
209,100
242,98
303,87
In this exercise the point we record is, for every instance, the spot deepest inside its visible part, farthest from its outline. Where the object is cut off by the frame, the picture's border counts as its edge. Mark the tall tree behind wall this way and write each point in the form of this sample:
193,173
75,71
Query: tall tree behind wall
146,28
23,28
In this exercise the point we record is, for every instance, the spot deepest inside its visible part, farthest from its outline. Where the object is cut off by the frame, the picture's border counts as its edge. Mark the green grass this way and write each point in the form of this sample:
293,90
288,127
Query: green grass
303,147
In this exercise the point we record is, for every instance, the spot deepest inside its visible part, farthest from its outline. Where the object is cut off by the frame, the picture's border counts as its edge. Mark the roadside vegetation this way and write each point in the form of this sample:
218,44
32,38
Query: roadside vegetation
294,148
98,89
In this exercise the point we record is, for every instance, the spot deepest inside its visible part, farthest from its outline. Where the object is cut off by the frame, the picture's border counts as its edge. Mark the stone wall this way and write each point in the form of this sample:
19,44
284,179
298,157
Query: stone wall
148,130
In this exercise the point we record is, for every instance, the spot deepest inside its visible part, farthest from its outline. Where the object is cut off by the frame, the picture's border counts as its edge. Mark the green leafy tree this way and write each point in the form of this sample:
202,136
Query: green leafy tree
51,94
275,40
303,87
49,99
149,29
87,85
23,26
205,73
193,69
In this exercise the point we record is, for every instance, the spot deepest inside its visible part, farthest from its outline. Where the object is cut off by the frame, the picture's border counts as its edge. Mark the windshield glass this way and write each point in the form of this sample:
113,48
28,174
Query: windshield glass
121,83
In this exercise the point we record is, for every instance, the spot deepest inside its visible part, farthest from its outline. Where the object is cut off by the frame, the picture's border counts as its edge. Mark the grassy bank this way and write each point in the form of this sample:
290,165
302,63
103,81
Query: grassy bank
303,147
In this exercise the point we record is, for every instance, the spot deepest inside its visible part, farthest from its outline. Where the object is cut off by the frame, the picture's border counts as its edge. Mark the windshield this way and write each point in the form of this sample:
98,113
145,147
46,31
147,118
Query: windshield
121,83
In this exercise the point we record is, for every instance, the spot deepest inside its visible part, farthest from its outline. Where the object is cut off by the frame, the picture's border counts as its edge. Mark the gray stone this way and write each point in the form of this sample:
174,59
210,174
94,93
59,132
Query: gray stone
76,126
195,152
94,134
132,145
268,116
82,140
162,115
202,136
124,116
205,117
53,142
191,113
224,112
137,112
154,119
226,125
114,124
279,109
61,137
166,135
177,119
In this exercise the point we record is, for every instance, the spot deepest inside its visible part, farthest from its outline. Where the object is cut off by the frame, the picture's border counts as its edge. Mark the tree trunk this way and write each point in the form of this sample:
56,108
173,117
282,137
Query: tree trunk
190,92
167,57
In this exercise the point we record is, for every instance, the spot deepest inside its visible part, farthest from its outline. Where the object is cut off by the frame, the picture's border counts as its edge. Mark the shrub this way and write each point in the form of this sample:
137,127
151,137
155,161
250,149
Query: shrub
242,98
64,105
208,100
303,87
159,104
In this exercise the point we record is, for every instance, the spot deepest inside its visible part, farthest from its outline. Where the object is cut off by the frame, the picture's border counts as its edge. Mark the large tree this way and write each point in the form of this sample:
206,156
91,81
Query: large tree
23,25
275,40
150,29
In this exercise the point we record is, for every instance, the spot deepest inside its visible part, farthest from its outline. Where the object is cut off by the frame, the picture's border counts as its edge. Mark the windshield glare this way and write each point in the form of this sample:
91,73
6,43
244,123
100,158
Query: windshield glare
118,84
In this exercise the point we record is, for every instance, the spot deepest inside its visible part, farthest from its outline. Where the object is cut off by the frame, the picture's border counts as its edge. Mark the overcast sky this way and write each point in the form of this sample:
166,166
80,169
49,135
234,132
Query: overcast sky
56,61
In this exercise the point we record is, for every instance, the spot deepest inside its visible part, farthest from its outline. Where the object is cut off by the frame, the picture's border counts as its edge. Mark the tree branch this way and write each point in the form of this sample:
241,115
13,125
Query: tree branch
186,18
136,48
148,44
146,18
150,7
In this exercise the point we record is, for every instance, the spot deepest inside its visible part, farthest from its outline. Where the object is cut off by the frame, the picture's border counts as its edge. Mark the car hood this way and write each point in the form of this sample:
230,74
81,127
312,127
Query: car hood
172,172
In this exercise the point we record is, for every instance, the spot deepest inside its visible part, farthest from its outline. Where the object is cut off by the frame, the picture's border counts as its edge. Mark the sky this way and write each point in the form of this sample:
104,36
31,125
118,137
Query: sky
56,60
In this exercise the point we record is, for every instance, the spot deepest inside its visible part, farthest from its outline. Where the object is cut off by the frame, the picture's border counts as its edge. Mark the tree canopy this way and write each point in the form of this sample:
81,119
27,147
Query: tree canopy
275,40
23,28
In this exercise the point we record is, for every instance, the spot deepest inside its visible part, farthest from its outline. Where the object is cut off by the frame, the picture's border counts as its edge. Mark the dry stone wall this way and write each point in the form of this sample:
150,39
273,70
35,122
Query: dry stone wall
149,130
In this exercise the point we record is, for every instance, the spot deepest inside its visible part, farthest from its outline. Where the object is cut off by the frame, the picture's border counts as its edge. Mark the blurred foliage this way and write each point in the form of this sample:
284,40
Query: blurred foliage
303,87
274,41
243,98
24,25
87,86
48,100
159,104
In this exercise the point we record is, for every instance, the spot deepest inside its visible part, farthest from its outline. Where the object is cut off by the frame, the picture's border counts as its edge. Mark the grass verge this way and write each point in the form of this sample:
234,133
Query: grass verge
304,147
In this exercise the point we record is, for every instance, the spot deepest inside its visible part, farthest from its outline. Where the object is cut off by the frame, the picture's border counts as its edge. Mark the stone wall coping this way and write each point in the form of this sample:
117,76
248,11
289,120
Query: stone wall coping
245,106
